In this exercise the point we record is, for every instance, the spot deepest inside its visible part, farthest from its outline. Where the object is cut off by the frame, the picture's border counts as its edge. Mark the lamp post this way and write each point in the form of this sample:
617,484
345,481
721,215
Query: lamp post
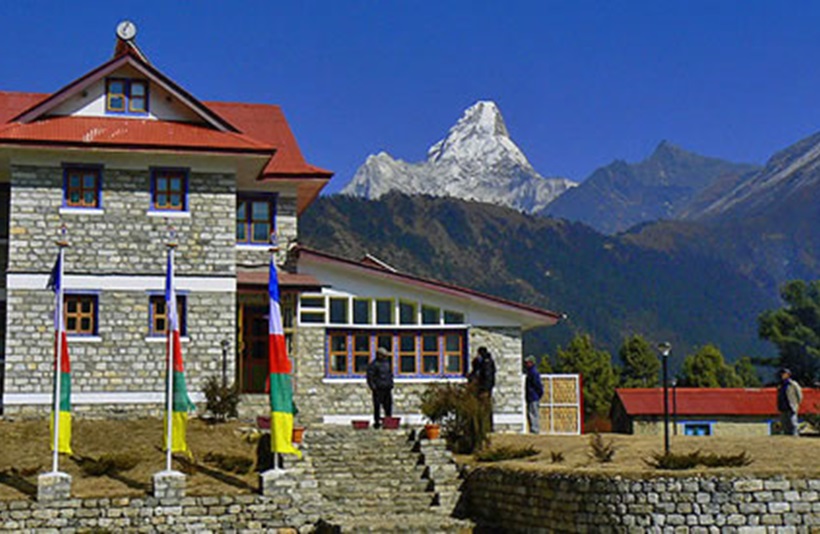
675,406
665,348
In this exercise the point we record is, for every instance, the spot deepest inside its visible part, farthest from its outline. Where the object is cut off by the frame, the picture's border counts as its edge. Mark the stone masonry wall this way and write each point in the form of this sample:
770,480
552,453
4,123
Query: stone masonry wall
538,502
124,239
316,396
721,426
286,232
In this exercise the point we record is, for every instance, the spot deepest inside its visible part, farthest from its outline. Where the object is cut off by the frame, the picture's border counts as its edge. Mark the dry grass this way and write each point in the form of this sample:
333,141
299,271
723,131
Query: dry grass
771,455
25,454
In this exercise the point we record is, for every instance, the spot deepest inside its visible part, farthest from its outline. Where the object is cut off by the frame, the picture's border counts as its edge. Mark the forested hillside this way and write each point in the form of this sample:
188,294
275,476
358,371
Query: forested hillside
610,287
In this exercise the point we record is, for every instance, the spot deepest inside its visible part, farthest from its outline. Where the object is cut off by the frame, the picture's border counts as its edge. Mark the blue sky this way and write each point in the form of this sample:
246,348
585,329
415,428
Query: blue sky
579,83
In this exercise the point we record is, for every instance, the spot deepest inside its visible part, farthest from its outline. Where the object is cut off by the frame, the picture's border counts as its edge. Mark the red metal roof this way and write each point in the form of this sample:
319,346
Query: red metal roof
286,279
12,103
710,401
136,133
267,123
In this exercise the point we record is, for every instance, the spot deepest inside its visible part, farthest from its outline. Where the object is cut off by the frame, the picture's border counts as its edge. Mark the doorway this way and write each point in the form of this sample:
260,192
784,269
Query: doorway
254,355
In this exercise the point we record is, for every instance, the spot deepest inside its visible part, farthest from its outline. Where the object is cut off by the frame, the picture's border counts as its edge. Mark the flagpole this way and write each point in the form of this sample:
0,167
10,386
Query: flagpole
274,248
62,243
169,353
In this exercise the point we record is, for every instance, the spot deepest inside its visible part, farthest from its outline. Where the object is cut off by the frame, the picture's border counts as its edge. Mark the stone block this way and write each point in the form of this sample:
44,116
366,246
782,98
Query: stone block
54,486
169,485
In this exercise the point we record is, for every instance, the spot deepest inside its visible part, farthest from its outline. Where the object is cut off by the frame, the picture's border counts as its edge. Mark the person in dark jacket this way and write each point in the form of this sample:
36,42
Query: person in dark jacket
534,390
380,382
483,376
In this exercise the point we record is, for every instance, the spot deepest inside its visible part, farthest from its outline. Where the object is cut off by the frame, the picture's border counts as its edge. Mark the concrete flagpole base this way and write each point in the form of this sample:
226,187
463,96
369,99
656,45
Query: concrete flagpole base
53,486
274,481
169,485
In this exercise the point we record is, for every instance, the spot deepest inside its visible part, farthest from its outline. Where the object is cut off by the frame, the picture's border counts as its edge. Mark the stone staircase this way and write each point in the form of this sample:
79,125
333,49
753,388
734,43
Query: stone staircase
383,481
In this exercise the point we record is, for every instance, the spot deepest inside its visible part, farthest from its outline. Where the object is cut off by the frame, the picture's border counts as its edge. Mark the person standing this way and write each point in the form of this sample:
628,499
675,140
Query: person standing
534,390
484,369
789,397
380,382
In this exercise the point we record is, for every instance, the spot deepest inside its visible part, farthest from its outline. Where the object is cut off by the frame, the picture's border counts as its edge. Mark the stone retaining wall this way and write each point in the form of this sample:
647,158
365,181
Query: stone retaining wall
540,502
189,514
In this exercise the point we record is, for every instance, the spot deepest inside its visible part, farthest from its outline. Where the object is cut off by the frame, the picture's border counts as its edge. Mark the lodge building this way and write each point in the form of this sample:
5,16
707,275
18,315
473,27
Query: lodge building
121,154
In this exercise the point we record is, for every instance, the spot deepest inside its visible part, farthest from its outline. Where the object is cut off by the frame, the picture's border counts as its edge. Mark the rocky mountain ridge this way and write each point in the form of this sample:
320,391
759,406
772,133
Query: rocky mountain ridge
476,160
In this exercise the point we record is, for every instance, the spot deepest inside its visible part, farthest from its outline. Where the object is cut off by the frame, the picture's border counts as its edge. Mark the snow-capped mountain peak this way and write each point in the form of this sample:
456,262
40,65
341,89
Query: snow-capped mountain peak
476,160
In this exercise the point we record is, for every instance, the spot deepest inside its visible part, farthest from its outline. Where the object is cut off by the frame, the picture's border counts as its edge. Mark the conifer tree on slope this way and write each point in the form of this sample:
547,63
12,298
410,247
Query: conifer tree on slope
595,366
640,364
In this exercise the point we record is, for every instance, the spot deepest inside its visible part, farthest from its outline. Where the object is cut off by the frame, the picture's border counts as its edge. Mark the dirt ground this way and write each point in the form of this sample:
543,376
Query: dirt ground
24,454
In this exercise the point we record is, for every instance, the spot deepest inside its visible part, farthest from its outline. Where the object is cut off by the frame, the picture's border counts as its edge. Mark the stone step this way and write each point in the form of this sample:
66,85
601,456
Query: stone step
421,522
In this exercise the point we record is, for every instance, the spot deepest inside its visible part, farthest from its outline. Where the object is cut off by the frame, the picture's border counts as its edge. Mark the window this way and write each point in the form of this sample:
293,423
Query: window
81,315
430,315
82,186
338,310
312,310
158,321
697,429
407,313
255,219
451,317
424,354
361,311
169,189
384,311
126,96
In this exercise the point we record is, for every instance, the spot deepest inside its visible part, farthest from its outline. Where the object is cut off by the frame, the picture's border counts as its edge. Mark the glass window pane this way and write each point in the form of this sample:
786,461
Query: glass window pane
360,364
74,197
338,344
71,306
85,306
361,311
176,184
176,200
384,312
116,102
453,364
74,180
240,232
338,363
361,343
137,89
451,317
162,183
162,200
429,315
407,364
90,198
407,343
338,310
160,325
430,364
429,343
313,302
71,324
452,343
116,86
137,104
85,324
241,212
261,232
89,181
260,211
313,317
407,313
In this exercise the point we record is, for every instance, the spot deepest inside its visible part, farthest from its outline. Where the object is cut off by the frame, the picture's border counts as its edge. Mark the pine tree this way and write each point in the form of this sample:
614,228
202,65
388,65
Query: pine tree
595,367
641,364
746,372
706,368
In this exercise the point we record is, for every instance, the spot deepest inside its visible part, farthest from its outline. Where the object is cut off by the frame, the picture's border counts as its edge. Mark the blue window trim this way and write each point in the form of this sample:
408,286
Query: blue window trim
373,334
709,424
183,320
272,199
68,167
127,95
86,293
187,178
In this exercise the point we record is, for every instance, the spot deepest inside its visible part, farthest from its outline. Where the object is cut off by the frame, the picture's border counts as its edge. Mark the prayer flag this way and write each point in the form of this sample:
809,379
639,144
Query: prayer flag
61,416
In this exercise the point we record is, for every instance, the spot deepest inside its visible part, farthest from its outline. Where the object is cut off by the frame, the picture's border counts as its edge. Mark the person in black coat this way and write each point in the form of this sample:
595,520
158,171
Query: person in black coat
380,382
483,376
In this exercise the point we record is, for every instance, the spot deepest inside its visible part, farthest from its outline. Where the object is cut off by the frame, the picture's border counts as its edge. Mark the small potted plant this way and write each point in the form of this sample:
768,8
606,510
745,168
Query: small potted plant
435,406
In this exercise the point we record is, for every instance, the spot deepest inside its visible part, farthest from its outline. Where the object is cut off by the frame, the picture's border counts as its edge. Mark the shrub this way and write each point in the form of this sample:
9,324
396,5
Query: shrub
221,401
461,412
600,450
690,460
506,452
557,457
232,463
107,464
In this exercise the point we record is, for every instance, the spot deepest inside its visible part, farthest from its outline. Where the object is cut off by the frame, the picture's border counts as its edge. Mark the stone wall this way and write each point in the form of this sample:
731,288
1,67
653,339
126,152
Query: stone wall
721,426
190,514
286,232
541,502
317,396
